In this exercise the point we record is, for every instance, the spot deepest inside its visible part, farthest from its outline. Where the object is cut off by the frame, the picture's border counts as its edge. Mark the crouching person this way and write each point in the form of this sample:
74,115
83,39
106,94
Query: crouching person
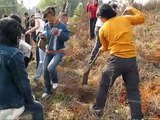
15,92
56,34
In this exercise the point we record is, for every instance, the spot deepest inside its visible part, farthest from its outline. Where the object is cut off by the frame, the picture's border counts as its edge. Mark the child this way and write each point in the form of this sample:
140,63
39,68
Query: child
55,33
116,37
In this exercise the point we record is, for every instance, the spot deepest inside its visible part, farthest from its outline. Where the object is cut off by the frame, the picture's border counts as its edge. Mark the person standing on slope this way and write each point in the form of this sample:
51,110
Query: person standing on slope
116,36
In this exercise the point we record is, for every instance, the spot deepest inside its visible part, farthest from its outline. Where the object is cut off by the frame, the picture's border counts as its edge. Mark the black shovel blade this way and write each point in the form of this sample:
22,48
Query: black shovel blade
85,77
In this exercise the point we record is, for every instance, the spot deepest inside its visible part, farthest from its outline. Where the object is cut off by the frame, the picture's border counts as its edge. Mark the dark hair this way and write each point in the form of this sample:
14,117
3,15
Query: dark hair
5,16
9,31
106,11
64,14
26,13
114,6
16,17
49,10
32,16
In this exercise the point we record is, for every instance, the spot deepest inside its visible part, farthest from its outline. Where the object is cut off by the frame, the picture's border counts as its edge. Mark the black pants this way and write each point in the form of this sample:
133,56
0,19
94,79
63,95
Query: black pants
127,67
36,110
92,27
37,51
26,59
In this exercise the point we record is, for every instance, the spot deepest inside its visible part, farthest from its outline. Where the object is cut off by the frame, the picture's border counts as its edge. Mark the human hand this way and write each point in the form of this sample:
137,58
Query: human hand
128,11
41,36
55,31
28,32
101,49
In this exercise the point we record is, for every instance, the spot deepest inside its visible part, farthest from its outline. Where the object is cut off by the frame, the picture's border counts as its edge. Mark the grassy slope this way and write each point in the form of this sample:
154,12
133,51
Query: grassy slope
69,101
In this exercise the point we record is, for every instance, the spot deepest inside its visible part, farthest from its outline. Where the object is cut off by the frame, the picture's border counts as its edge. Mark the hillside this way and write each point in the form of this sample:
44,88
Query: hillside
70,102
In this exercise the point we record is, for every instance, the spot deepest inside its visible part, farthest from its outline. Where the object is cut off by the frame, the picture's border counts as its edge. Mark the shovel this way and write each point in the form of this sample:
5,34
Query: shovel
86,74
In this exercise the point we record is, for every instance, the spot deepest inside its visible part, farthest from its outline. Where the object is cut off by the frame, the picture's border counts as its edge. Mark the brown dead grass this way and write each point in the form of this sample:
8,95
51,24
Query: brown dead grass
69,102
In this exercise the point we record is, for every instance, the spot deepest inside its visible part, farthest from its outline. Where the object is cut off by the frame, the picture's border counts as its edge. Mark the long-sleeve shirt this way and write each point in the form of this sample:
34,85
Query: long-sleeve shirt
92,8
116,34
15,90
56,42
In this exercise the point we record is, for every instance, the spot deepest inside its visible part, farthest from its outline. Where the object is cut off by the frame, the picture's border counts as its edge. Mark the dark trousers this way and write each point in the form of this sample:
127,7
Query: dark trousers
92,24
37,51
34,36
97,44
26,59
37,56
127,67
36,109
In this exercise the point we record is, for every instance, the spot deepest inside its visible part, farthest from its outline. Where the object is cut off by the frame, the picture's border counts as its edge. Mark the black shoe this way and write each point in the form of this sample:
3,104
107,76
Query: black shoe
97,113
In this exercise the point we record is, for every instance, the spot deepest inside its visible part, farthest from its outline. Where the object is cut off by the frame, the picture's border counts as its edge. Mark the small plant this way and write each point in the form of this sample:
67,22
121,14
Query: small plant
78,12
68,60
59,97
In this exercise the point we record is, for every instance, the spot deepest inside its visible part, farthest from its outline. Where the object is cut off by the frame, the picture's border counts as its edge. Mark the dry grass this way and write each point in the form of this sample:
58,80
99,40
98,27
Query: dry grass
69,102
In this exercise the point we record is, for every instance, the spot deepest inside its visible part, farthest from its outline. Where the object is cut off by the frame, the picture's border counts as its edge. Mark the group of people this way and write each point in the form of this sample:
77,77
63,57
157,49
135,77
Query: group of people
15,91
113,34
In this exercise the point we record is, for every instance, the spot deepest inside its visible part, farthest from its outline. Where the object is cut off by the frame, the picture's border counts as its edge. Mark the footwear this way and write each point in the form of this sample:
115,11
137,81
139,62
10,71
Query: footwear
54,85
44,95
98,113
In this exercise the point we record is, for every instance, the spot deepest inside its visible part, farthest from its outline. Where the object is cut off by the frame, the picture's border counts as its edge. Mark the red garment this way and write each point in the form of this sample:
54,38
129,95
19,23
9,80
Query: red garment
92,8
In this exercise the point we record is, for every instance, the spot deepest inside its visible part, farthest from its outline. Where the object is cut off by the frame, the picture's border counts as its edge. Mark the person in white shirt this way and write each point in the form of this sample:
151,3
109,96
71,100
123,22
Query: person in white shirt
39,27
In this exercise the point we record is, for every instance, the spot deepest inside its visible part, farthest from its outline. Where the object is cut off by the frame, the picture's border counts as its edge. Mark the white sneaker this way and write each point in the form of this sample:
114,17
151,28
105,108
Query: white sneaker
54,85
44,95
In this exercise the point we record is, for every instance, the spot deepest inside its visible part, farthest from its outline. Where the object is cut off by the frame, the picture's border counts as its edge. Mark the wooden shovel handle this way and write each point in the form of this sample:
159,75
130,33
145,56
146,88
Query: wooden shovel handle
95,59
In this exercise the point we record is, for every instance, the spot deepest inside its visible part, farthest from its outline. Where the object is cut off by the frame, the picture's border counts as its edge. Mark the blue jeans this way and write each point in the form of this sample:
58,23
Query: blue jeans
40,68
50,74
92,24
36,109
96,46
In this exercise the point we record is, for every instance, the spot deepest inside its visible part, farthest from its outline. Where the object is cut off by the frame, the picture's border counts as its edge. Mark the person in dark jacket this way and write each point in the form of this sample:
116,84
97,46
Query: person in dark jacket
15,92
56,34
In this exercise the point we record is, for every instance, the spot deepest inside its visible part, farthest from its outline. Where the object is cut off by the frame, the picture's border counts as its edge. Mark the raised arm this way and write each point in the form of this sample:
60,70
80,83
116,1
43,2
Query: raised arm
37,24
136,18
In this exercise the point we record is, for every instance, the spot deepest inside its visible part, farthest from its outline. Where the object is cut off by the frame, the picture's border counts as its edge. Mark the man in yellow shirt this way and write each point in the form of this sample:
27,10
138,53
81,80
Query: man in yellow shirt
116,37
